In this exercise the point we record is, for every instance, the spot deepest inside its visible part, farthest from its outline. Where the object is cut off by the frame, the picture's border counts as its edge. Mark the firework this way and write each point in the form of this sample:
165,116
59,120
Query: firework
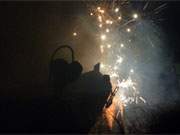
115,62
117,24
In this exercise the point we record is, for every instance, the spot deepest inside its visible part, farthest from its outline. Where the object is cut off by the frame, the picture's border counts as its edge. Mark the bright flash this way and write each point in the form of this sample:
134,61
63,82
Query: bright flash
128,30
91,14
135,16
74,34
100,25
122,45
116,10
103,37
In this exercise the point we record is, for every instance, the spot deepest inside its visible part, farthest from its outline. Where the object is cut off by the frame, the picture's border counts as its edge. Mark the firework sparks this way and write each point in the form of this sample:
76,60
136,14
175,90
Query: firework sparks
109,20
125,37
118,45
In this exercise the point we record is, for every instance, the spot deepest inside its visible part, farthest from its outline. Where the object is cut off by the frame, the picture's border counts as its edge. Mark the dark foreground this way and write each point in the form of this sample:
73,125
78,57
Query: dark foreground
79,109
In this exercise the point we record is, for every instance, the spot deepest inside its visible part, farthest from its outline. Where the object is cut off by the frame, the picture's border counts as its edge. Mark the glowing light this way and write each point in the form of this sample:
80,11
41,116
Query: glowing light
102,49
103,37
74,34
119,18
107,30
132,71
108,46
100,25
100,18
107,21
102,65
122,45
128,30
114,75
111,22
116,10
105,18
101,11
120,60
135,16
126,84
115,67
98,8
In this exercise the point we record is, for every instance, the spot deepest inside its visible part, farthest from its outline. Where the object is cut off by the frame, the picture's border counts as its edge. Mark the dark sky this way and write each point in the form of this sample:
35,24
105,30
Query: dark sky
172,28
29,31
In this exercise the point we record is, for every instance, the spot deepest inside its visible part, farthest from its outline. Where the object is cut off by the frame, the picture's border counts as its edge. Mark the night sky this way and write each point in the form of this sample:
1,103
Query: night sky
30,32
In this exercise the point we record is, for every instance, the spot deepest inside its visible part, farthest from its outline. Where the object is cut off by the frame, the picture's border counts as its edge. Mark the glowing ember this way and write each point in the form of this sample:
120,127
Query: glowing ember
100,25
107,30
98,8
108,46
135,16
120,60
116,10
103,37
119,18
128,30
74,34
132,71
